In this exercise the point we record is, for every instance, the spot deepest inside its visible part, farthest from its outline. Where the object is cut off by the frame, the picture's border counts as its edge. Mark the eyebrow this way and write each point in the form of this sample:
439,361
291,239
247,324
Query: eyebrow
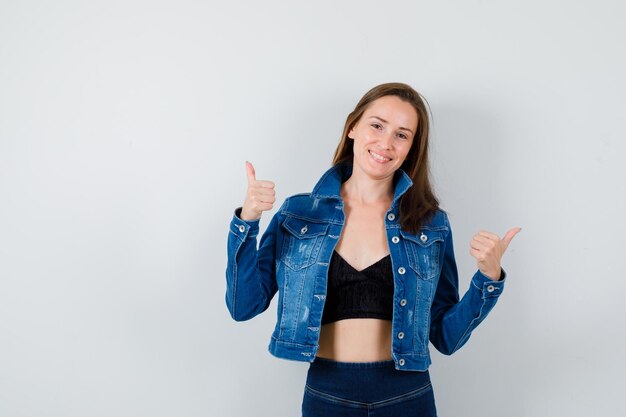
384,121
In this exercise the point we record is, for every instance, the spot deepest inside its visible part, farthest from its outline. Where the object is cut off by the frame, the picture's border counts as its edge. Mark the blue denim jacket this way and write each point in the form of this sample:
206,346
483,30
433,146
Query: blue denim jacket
293,258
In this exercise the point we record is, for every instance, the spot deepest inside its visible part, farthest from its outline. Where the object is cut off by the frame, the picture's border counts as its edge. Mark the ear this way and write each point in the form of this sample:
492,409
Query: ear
350,134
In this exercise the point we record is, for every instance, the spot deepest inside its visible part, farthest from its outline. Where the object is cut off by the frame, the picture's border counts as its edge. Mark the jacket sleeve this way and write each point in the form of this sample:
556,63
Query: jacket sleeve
251,273
452,321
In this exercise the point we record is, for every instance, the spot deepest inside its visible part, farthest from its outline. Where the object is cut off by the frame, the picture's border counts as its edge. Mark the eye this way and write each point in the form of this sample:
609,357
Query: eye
403,136
376,125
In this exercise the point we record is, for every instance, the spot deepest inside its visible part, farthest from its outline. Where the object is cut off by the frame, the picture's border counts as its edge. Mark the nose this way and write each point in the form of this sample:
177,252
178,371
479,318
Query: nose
386,140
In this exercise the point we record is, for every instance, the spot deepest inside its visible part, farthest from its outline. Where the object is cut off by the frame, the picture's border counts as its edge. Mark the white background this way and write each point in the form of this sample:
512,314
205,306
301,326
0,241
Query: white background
124,127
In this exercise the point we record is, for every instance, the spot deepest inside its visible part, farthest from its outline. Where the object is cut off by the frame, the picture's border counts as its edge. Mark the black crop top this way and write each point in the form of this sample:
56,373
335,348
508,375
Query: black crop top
352,293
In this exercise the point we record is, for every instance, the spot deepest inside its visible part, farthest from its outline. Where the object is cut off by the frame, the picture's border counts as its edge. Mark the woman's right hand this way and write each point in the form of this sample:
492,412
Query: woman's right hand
260,196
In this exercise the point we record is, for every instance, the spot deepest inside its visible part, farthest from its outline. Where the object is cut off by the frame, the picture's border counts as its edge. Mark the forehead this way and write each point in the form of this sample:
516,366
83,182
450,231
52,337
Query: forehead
394,110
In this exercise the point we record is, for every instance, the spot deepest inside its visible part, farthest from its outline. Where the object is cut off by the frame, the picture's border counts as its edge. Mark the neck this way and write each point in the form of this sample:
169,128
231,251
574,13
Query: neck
362,189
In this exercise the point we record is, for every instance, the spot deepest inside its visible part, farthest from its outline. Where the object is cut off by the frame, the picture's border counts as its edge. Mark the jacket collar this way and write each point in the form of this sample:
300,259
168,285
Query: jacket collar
329,185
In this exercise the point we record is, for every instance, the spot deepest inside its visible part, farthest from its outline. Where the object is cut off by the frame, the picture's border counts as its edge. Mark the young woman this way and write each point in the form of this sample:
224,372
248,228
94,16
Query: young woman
364,266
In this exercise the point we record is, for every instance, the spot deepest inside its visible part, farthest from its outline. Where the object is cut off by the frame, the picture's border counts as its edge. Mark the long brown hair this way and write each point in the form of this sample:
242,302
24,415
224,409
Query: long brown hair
419,203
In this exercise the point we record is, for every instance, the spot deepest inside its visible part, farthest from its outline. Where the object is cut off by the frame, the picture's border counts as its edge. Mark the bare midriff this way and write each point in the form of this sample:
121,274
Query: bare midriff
356,340
363,241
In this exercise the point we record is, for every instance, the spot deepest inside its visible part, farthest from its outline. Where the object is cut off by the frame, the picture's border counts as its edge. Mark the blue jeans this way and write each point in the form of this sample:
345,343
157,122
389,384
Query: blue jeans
366,389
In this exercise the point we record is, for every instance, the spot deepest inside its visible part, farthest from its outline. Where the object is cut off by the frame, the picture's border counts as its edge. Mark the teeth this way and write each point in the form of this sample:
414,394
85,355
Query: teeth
379,157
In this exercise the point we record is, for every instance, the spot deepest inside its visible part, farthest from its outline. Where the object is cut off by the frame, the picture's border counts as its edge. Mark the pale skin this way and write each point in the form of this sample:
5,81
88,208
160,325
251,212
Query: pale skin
386,128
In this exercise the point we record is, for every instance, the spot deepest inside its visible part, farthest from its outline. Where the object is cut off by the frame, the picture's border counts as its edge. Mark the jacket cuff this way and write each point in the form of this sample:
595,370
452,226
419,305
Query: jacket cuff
242,228
489,287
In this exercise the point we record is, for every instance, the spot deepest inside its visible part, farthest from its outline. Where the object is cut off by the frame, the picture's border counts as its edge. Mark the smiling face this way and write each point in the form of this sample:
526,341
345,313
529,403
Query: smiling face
383,136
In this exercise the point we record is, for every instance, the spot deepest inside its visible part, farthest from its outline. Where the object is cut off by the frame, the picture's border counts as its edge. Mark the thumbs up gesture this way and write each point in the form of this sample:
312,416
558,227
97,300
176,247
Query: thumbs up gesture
260,196
488,249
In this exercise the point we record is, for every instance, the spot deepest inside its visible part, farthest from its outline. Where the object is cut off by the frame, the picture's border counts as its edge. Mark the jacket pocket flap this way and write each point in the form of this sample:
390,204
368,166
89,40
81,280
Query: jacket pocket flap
304,229
425,238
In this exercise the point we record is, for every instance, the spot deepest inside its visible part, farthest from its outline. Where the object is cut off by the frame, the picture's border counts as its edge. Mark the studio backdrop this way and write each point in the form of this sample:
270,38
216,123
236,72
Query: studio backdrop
124,131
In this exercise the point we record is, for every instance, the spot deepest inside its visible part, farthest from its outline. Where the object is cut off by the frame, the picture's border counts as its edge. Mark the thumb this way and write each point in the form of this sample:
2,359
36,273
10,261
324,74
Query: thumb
251,173
509,236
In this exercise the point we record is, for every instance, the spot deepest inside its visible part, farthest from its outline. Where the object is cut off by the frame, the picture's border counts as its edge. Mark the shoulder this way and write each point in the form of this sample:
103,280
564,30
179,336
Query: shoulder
438,220
296,201
305,206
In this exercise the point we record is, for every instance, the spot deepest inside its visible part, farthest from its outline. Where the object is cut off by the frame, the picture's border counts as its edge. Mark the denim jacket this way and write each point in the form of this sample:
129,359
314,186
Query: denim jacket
293,258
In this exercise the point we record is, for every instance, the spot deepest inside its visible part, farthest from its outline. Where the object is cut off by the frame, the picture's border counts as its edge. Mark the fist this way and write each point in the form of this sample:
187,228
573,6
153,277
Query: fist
260,196
488,249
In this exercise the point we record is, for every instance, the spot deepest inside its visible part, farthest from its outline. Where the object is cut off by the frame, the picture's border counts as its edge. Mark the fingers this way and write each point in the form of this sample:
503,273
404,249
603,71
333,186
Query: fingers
260,195
485,242
261,207
251,173
264,184
480,247
252,178
486,239
476,253
509,236
484,235
256,204
489,234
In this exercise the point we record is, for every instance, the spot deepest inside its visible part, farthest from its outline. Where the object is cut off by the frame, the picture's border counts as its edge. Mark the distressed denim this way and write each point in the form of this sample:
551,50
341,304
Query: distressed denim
293,256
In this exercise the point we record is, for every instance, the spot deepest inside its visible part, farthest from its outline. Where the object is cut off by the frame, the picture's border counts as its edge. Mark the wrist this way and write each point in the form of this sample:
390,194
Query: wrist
249,217
494,276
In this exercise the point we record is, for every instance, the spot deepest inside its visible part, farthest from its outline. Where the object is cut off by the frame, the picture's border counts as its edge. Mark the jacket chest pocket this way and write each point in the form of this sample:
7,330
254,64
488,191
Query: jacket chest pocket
302,240
423,250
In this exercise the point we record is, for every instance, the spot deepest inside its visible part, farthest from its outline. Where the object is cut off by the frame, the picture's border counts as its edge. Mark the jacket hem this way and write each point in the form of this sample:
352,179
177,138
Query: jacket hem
292,351
306,353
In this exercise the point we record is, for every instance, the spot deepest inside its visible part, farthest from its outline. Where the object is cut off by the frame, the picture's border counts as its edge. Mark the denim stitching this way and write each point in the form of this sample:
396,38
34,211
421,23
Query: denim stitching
306,261
291,344
401,397
414,259
235,278
282,324
234,292
417,323
376,404
298,314
236,234
480,313
329,397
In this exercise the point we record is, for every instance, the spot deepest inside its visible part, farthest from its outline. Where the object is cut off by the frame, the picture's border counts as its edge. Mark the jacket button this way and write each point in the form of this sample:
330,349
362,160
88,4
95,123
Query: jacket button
401,270
491,288
423,237
401,362
395,239
242,228
391,216
401,335
403,302
303,230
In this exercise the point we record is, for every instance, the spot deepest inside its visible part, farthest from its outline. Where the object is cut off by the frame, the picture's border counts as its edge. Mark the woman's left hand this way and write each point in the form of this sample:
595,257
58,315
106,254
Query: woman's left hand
488,249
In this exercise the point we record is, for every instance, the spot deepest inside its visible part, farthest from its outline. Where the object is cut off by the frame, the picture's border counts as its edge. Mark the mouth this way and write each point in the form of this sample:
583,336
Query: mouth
378,158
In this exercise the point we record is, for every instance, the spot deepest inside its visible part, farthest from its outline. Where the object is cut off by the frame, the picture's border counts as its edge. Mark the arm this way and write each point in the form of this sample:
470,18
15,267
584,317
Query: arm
250,273
452,321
